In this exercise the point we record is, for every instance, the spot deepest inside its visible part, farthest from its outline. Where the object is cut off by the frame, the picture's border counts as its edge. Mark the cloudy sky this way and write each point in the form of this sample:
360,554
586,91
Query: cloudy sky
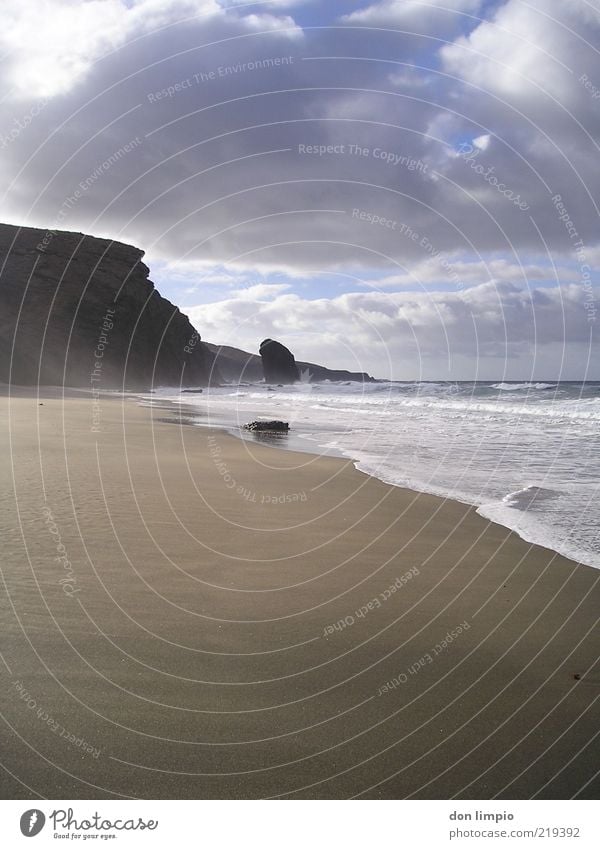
409,188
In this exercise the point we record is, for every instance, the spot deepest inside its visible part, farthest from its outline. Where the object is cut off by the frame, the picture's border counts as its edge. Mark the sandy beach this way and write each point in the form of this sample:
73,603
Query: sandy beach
186,615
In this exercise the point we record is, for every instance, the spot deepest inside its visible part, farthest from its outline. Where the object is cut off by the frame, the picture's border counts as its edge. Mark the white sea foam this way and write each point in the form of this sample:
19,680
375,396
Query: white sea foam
526,455
516,387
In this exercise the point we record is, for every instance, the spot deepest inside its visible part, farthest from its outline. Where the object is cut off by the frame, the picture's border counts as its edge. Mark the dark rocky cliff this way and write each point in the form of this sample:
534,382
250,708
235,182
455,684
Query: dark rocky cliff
80,311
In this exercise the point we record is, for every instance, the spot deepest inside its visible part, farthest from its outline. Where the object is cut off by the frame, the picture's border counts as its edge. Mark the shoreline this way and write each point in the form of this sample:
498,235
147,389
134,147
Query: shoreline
222,643
487,510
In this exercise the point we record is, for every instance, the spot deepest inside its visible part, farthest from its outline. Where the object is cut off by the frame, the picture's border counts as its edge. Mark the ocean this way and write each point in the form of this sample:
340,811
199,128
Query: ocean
525,454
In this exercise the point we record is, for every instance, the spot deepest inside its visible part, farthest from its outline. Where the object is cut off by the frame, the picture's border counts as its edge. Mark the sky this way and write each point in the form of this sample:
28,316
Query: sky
405,188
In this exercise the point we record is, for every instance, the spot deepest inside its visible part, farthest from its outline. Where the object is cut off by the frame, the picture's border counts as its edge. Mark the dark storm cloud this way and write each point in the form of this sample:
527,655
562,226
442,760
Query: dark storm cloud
231,135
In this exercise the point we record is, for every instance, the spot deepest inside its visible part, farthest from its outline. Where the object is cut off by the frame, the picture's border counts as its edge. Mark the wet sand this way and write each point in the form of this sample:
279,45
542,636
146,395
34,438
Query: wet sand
186,615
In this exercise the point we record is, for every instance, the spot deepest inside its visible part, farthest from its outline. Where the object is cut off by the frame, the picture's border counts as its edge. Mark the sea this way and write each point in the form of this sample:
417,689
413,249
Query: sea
526,455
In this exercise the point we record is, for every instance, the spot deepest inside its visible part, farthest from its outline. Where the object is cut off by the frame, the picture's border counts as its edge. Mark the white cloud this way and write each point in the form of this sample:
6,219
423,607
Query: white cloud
491,322
50,45
526,50
459,273
269,4
266,22
411,12
261,291
482,142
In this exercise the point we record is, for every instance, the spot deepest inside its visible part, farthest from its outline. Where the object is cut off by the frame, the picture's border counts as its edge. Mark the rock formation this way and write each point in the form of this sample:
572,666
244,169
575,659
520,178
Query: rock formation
315,374
274,426
80,311
279,365
236,365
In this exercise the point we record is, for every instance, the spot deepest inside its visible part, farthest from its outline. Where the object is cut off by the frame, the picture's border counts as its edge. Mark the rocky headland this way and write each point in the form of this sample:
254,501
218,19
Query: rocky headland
80,311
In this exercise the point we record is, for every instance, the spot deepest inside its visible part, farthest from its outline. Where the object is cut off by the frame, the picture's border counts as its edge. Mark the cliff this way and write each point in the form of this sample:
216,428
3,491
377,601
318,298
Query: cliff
80,311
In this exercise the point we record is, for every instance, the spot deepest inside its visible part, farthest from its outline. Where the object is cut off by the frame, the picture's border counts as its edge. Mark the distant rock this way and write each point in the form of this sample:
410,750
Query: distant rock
80,311
237,366
268,427
317,374
279,365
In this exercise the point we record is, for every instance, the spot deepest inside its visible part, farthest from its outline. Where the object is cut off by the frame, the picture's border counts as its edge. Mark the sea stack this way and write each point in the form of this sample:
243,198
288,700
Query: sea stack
279,364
